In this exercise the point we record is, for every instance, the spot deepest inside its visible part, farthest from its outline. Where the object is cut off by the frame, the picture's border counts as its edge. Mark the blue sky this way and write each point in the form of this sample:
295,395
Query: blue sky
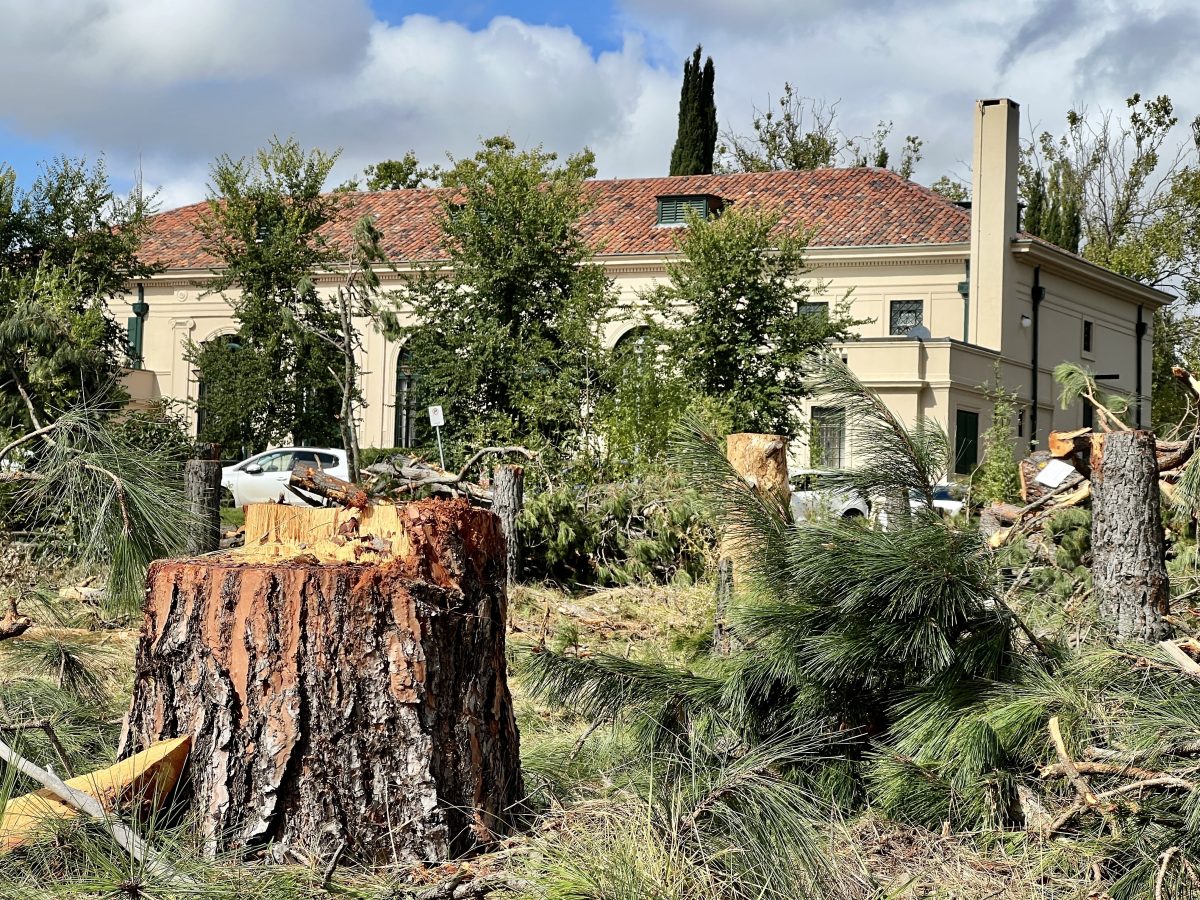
168,85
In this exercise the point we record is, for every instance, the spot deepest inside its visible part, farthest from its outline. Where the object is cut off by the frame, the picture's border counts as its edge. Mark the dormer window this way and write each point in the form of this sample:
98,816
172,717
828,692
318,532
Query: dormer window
672,209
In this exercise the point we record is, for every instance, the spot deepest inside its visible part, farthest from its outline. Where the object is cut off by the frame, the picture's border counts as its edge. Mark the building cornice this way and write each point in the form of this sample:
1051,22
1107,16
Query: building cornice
1059,261
628,264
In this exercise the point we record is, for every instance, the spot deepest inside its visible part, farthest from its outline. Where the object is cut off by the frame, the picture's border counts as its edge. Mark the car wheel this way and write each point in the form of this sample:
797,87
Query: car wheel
852,514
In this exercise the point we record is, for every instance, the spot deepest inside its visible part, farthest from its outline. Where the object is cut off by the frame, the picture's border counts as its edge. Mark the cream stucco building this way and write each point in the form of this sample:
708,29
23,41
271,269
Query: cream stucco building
983,292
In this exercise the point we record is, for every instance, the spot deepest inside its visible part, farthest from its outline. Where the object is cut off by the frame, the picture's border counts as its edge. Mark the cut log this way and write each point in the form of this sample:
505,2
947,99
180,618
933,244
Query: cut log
1129,573
145,778
1067,443
333,703
762,460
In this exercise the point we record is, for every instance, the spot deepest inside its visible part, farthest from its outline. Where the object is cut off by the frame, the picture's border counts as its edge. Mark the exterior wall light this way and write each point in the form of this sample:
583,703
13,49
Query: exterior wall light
1026,321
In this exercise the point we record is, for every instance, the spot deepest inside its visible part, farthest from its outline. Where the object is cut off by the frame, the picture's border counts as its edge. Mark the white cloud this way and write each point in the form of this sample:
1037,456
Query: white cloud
177,82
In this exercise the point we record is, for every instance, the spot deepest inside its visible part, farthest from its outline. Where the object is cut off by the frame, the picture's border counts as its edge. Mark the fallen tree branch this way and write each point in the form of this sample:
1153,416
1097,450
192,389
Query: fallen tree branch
126,527
309,478
1177,655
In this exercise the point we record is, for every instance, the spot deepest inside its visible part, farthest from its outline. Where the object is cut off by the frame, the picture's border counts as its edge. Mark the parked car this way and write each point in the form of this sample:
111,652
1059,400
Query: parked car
811,494
263,477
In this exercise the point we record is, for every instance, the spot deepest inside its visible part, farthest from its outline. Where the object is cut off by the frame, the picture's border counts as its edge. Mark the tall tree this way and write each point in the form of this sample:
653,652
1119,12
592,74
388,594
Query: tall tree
506,336
696,141
798,133
1125,193
400,174
264,225
737,319
68,244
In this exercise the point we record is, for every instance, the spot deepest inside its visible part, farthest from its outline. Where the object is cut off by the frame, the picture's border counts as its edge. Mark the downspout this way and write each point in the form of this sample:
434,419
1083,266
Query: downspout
137,329
964,288
1037,293
1139,334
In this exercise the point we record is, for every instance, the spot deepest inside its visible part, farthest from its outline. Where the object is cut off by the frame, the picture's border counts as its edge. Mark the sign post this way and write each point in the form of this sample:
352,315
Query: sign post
437,420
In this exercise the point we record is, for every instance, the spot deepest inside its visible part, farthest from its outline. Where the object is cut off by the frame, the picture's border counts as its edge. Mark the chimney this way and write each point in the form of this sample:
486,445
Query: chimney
993,216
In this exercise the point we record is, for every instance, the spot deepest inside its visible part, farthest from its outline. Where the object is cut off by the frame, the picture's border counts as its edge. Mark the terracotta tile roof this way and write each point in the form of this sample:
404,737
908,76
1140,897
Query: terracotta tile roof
858,207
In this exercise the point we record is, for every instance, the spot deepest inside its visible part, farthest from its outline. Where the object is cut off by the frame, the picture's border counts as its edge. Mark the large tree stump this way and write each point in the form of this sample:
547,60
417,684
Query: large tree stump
342,678
1129,572
762,460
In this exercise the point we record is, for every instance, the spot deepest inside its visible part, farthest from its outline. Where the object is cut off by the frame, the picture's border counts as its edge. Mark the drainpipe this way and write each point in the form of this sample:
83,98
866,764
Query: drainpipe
1139,333
1037,293
964,289
137,327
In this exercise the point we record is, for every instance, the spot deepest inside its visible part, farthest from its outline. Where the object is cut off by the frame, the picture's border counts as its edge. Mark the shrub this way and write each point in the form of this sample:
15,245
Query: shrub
615,533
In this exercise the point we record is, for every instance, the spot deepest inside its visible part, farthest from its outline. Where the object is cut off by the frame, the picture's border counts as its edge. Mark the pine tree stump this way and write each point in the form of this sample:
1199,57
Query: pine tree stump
1129,570
343,681
762,459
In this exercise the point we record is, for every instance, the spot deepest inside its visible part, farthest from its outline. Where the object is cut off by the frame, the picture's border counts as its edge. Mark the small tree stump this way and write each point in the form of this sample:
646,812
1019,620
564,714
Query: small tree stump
508,498
762,460
1129,571
345,690
202,487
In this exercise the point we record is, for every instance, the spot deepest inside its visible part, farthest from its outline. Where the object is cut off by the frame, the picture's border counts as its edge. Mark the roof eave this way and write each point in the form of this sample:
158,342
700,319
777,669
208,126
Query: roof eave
1058,260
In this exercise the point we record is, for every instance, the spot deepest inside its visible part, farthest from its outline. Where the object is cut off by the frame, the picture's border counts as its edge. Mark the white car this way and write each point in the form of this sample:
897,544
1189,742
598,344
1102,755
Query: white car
811,494
263,478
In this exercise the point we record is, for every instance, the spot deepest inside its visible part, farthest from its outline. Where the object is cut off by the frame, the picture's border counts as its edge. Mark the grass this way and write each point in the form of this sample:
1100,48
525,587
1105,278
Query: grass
608,821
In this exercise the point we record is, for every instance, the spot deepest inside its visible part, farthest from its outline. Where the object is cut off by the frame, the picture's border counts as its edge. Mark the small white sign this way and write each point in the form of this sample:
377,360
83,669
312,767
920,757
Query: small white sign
1055,473
436,419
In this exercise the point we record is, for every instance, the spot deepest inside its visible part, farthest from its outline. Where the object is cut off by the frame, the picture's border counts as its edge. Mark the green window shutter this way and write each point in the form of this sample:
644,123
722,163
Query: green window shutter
673,210
966,442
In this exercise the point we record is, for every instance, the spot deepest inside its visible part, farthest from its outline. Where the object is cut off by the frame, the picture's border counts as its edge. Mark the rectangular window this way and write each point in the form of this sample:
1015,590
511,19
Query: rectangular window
1089,415
966,442
673,210
906,314
827,442
1021,422
813,309
1088,328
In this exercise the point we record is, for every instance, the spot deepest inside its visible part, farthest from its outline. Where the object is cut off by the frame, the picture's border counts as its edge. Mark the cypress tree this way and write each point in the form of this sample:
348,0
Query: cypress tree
696,142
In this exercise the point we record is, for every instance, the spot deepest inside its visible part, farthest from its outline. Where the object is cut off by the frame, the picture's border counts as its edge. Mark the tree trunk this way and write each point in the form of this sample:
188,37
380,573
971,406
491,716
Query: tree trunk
762,460
1129,573
334,703
202,484
508,498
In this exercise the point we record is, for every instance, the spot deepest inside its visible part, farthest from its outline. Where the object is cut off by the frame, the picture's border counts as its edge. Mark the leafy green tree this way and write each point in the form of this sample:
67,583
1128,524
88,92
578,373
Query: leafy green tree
952,189
696,141
400,174
997,478
506,335
264,224
68,244
1125,193
801,133
737,319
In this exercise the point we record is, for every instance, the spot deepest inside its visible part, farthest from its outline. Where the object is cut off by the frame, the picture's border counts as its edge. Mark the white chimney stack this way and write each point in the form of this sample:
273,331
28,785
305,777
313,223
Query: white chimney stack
993,215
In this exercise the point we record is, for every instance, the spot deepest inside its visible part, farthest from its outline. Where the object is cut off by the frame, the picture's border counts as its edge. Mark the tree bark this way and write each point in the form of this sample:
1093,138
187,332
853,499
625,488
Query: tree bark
762,460
202,483
1129,573
333,703
508,498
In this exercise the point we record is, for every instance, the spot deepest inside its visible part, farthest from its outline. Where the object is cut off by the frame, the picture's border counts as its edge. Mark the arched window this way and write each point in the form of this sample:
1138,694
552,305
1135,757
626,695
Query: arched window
405,402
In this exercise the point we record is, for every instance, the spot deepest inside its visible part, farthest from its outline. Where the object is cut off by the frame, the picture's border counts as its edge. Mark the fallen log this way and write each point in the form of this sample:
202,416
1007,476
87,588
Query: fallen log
343,679
308,477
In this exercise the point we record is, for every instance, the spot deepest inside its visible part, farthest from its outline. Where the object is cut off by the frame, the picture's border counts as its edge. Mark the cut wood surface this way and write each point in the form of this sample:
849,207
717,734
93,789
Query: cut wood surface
332,703
145,778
